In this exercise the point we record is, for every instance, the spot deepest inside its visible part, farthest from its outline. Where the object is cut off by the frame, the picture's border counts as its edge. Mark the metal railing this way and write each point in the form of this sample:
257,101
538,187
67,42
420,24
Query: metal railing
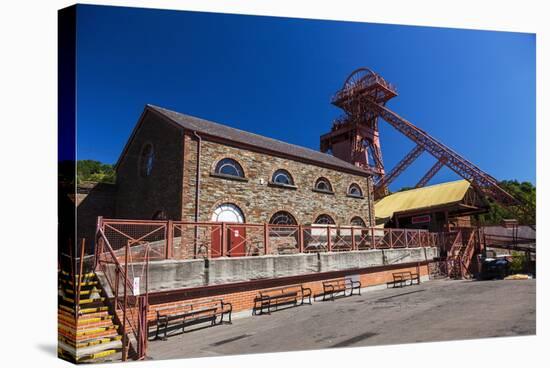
124,249
460,244
126,272
192,240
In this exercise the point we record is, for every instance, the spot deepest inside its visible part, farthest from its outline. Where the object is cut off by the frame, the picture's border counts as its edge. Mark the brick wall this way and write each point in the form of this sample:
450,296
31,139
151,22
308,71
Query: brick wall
244,299
140,197
260,201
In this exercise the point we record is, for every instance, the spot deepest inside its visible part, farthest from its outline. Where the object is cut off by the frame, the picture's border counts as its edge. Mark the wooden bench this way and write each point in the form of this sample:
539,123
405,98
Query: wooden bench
188,314
401,278
293,295
342,285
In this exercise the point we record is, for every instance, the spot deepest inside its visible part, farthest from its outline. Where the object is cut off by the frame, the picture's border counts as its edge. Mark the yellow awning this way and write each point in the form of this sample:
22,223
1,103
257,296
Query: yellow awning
431,196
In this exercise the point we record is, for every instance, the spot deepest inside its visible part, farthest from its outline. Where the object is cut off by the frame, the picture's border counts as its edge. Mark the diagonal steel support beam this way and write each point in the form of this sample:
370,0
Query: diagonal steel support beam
488,185
382,184
430,174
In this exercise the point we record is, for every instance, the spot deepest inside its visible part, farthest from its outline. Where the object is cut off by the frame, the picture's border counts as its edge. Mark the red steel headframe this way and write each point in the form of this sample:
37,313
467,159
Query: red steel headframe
363,98
430,174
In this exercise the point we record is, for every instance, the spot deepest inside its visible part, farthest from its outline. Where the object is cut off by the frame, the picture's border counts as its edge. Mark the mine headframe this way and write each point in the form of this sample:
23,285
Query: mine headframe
355,138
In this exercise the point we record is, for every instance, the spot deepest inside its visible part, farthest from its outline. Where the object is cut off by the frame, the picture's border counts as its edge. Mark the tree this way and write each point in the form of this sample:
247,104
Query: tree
405,188
95,171
524,192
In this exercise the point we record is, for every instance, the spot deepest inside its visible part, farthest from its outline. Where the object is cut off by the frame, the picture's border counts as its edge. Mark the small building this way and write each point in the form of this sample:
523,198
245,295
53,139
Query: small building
435,208
179,167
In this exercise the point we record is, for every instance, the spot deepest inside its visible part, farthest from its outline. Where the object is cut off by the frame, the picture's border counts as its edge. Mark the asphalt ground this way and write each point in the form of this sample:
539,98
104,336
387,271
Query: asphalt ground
437,310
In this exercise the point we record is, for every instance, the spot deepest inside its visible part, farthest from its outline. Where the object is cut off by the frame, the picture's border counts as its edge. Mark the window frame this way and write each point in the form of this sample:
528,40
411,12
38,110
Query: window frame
278,230
323,179
237,165
333,223
290,215
273,183
232,207
358,187
146,160
358,226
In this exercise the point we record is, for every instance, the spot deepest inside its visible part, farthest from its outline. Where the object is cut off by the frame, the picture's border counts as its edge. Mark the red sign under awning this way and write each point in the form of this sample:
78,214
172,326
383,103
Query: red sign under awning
421,219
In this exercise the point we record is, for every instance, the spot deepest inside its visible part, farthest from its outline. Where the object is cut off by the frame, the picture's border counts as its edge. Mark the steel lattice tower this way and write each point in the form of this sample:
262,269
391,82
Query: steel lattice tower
355,138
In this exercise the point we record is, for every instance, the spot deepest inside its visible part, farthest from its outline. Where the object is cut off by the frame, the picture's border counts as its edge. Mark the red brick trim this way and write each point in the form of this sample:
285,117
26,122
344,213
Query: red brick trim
217,290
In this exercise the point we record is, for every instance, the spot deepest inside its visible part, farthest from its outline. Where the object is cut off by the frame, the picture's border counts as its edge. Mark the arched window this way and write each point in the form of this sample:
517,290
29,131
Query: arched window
324,220
282,177
282,218
354,190
230,167
283,233
228,212
358,221
323,185
146,161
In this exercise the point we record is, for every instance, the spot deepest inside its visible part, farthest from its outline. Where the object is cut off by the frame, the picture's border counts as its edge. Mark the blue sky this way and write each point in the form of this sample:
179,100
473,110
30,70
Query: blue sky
472,90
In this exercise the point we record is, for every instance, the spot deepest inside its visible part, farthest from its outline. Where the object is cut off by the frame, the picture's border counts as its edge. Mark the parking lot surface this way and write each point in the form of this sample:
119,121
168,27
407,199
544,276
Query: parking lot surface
433,311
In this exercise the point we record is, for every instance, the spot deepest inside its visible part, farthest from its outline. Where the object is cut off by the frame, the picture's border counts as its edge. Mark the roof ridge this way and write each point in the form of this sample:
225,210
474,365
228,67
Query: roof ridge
197,120
244,131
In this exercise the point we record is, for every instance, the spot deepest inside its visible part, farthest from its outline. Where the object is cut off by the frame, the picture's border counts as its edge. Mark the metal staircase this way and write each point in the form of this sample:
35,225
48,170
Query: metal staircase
459,257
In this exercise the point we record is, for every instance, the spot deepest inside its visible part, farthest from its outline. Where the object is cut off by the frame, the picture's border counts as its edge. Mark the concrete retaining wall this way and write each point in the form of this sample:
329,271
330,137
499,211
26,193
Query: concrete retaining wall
174,274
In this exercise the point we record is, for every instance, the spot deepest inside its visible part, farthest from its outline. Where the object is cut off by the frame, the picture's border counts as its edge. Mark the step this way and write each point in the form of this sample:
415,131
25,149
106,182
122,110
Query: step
85,310
84,301
83,292
103,357
78,339
84,320
81,326
98,341
86,331
86,283
92,351
89,274
69,315
88,341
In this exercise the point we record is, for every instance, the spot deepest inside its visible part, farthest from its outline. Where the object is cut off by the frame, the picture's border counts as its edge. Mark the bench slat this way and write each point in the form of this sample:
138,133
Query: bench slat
192,313
291,294
335,286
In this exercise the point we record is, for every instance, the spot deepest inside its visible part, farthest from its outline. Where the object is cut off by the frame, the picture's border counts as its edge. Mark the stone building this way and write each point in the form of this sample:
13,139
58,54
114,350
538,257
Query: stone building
180,167
177,167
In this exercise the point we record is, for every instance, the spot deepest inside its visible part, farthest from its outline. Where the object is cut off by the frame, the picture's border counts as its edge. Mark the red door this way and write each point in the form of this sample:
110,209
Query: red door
216,242
237,241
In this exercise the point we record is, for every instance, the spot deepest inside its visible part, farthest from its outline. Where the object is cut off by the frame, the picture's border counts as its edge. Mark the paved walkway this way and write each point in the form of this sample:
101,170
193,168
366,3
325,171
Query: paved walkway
433,311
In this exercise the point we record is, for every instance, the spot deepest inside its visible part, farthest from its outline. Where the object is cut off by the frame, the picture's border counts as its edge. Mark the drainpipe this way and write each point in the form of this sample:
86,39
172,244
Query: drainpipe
197,190
198,179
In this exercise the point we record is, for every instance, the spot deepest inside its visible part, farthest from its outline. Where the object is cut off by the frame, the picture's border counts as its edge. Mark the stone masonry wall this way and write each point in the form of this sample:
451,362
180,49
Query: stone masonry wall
93,200
141,197
258,201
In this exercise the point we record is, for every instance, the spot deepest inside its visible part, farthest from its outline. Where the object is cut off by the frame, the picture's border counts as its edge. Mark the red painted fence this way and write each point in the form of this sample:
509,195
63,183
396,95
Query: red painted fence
189,240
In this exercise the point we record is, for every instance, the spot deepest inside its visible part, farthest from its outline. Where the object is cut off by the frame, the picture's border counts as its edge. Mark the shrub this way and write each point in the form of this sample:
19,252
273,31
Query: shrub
519,261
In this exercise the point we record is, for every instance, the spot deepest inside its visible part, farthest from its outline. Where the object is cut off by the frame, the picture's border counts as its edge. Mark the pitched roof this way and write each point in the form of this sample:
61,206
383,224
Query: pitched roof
430,196
225,132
